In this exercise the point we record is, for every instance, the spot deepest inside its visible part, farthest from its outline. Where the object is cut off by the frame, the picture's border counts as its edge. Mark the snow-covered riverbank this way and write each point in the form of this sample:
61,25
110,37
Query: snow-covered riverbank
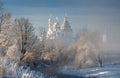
110,71
13,70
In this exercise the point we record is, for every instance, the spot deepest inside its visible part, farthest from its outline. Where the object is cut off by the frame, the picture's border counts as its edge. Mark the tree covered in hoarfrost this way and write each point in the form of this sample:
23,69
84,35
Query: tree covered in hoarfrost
27,40
5,40
5,24
83,52
14,37
4,16
5,31
88,47
14,52
1,15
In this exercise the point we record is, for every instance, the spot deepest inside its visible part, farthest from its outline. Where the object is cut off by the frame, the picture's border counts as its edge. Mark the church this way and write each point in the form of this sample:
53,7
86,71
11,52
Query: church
59,31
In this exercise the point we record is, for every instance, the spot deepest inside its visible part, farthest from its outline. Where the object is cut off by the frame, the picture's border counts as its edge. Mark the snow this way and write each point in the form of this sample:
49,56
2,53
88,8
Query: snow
110,71
14,71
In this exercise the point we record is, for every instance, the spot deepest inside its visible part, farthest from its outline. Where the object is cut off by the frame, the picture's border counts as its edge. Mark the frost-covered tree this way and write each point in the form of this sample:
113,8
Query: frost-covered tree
4,16
88,47
5,38
83,52
25,33
1,12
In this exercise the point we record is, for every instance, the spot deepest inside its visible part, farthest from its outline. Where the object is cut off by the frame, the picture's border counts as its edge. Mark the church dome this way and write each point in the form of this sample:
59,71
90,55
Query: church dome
56,25
66,25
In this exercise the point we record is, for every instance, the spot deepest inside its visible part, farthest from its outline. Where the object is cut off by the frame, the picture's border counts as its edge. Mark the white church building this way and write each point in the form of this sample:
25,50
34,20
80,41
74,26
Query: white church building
58,34
59,31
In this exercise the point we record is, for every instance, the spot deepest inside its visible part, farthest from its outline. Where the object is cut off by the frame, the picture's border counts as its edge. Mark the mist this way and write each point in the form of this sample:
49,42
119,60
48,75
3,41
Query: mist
57,38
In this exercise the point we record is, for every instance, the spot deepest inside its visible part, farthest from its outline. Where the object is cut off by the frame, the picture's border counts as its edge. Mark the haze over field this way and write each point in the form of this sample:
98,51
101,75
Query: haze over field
59,38
102,15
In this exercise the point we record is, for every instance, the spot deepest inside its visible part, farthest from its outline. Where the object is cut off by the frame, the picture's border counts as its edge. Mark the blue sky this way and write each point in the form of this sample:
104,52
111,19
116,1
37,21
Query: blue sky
80,12
94,14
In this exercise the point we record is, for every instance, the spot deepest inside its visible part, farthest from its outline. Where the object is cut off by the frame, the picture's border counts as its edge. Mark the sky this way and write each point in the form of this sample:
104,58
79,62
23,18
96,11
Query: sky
98,15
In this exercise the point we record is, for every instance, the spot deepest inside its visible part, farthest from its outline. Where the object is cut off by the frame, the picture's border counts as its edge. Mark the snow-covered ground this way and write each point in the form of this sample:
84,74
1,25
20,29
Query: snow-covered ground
109,71
12,70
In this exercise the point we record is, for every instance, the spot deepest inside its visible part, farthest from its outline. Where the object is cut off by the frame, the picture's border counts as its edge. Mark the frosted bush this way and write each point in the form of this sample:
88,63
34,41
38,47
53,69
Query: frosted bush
12,70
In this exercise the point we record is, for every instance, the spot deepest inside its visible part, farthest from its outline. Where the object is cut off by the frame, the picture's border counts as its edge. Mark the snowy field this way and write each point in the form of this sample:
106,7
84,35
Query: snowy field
110,71
14,71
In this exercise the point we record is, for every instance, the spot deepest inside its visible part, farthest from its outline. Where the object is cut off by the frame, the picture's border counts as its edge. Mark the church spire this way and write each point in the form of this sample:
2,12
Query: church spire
56,24
50,22
65,18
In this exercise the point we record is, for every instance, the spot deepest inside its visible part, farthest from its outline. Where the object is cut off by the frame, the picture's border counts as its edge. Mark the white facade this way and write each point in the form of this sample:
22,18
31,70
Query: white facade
57,31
